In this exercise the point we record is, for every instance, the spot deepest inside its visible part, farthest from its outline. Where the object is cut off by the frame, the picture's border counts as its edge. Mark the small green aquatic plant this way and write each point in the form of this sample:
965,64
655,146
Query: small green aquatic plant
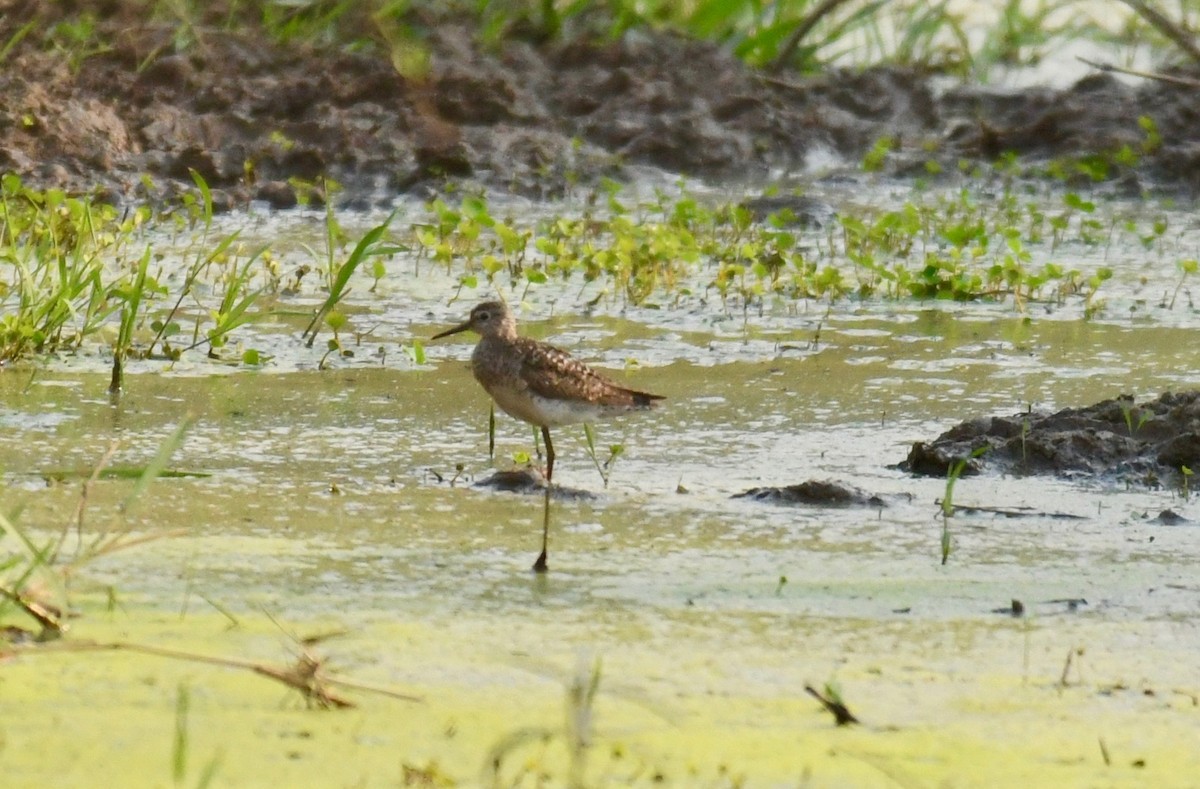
941,246
875,158
72,272
78,268
235,307
1187,268
130,298
336,320
56,289
370,245
604,468
415,352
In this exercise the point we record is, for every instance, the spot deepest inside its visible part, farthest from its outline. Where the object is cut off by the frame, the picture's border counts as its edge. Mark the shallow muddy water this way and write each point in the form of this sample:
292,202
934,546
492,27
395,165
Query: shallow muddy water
324,499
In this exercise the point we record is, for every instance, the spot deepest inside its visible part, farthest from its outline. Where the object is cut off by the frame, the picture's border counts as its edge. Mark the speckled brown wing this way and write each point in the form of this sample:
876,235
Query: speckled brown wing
554,373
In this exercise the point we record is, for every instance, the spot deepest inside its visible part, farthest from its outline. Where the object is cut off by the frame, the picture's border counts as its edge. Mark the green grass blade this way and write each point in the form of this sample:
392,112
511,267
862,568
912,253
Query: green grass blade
362,250
28,550
159,463
15,39
179,746
205,195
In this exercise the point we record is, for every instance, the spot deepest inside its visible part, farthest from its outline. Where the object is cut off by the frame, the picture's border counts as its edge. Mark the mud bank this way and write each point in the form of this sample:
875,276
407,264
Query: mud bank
1143,444
527,116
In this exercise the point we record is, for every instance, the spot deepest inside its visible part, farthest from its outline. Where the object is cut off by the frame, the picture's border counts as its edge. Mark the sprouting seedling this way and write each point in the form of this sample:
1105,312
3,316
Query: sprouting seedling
947,505
378,272
234,310
614,451
1186,268
955,471
415,352
1185,482
1127,413
336,320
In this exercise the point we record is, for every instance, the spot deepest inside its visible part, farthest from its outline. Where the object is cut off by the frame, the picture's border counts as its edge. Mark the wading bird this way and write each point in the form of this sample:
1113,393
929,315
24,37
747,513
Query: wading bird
540,384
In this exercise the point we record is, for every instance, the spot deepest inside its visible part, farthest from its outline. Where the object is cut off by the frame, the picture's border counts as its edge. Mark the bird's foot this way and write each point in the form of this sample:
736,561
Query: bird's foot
540,565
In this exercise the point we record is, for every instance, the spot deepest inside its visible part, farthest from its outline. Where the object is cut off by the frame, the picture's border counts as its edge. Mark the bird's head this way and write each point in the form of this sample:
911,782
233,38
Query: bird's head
489,319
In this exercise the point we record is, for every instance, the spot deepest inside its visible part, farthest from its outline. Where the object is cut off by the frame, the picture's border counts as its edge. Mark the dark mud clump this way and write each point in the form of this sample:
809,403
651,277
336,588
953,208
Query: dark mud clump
1170,518
260,119
1137,443
816,493
528,481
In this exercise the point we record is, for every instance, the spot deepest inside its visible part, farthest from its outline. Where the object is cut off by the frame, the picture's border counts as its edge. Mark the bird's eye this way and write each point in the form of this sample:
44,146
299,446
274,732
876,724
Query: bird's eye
483,316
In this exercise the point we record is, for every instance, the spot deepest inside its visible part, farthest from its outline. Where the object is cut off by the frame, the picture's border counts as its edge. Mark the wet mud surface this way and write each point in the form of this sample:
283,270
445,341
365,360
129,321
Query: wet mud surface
314,511
1138,443
526,116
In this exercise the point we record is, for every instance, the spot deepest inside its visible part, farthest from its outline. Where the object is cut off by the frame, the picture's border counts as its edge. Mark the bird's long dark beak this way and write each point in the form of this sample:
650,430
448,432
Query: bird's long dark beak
455,330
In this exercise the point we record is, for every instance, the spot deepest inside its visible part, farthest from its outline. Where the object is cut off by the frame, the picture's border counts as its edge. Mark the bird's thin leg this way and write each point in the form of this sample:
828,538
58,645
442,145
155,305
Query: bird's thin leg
540,566
549,455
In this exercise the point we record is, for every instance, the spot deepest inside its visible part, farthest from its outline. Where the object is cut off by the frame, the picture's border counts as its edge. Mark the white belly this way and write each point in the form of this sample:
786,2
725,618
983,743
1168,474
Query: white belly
543,411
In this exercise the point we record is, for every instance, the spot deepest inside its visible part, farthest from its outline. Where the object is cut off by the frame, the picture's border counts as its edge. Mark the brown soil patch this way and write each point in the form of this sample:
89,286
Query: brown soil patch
524,116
